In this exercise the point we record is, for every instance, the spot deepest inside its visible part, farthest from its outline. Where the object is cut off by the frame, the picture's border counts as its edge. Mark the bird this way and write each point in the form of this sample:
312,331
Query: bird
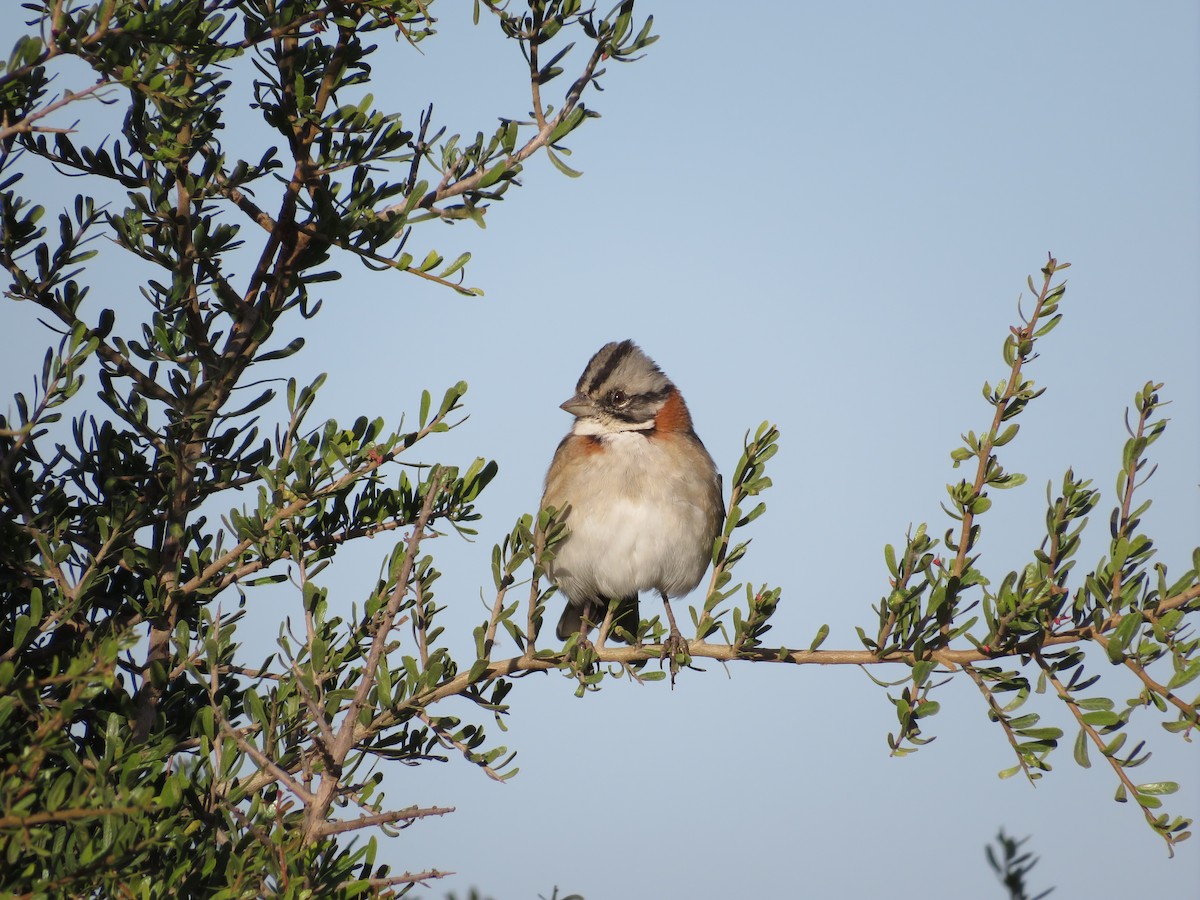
639,494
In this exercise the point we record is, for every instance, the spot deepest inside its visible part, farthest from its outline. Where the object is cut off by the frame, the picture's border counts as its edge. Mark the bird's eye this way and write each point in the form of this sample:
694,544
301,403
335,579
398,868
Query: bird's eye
617,398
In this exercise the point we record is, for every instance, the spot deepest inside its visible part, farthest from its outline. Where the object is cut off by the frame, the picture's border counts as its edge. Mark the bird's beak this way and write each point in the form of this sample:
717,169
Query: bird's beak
579,405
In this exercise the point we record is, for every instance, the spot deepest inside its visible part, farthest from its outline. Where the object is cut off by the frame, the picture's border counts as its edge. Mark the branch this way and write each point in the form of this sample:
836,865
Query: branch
390,881
387,619
411,814
1024,345
1000,716
286,512
316,813
1095,738
26,126
447,740
1188,710
65,815
532,146
266,765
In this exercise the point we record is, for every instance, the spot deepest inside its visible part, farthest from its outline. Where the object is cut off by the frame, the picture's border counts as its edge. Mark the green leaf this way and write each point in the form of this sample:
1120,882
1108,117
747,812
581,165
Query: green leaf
752,515
478,669
462,260
255,707
822,633
426,400
1158,787
928,708
492,175
1042,734
562,166
1006,435
1081,749
1185,675
293,346
1122,635
21,629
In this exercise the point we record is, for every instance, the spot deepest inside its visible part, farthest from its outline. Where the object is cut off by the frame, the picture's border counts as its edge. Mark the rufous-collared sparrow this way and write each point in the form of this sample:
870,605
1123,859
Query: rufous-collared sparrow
640,494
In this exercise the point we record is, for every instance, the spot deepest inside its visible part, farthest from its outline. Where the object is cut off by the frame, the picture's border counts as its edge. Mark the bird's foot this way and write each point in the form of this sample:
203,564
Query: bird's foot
675,649
582,657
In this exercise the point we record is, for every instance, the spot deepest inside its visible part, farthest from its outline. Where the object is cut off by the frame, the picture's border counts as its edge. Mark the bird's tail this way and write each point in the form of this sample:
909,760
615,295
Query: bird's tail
578,619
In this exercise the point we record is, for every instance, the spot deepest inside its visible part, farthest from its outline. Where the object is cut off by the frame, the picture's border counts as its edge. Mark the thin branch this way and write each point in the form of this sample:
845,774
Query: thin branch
325,739
468,183
531,629
1189,711
66,815
1094,736
317,812
535,84
266,765
411,814
529,662
449,741
1000,717
420,624
26,126
489,639
386,619
392,880
1024,333
1127,500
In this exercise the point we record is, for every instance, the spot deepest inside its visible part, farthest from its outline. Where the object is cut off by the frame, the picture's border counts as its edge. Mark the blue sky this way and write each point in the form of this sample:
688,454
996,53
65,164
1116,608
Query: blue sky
821,215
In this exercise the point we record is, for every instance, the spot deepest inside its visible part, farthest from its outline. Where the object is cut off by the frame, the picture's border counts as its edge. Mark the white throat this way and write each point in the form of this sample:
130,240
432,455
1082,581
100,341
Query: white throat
590,425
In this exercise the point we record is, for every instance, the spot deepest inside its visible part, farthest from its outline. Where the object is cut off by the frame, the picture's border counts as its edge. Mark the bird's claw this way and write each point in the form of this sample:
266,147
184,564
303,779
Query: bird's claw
583,656
675,647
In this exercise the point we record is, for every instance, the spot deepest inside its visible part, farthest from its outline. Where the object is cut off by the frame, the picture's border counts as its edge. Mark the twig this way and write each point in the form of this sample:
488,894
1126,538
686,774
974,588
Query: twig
411,814
1000,717
317,811
66,815
461,186
391,880
1188,710
489,639
1095,738
447,740
26,126
530,662
1024,333
266,765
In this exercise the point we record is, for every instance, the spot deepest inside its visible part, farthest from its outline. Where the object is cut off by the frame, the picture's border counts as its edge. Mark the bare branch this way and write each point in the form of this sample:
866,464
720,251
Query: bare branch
408,815
26,126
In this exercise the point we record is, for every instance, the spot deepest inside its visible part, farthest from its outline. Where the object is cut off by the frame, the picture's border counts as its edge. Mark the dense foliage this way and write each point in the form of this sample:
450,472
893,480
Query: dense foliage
141,752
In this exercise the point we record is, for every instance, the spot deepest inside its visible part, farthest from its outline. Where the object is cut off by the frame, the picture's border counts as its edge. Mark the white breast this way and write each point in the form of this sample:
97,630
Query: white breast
637,522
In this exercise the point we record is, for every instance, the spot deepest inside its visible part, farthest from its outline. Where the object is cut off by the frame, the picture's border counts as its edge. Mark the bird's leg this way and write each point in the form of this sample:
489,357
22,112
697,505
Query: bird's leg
585,652
674,644
606,625
676,637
